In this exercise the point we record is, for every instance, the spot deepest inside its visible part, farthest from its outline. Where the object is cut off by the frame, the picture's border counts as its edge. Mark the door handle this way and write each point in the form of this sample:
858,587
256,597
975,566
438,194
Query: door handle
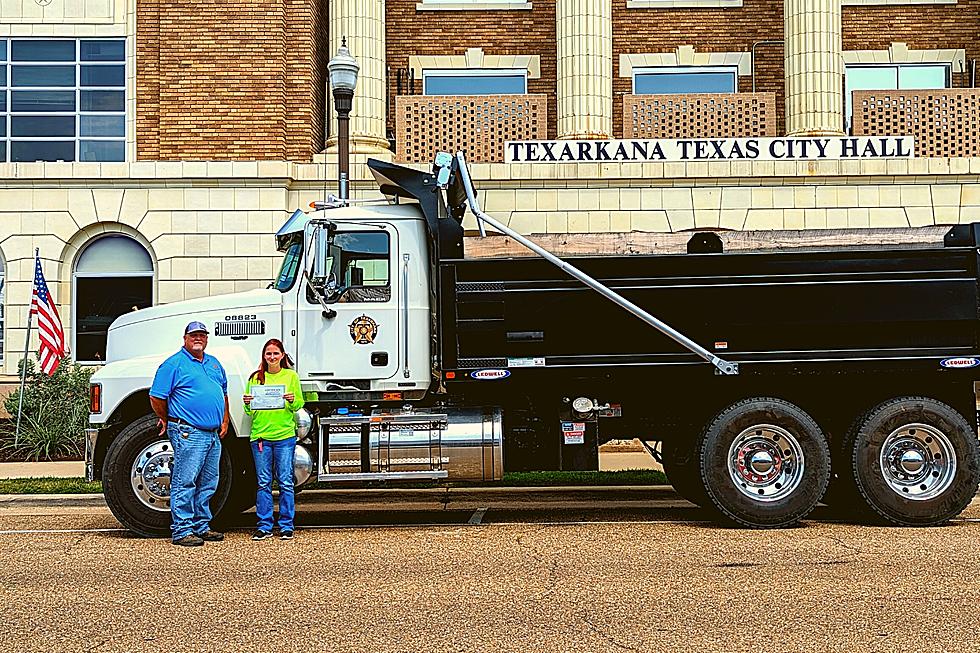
329,314
405,313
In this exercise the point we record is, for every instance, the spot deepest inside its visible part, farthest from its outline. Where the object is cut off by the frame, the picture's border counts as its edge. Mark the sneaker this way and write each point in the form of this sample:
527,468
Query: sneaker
189,540
211,536
258,536
286,535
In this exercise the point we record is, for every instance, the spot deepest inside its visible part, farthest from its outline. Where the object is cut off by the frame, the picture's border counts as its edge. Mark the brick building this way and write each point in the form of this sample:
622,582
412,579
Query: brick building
149,148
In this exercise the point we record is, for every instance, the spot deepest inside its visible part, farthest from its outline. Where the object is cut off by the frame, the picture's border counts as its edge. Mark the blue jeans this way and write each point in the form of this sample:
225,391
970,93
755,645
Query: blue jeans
277,453
193,479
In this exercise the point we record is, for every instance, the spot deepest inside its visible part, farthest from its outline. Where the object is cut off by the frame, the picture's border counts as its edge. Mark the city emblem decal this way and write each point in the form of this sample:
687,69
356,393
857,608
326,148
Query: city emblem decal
363,330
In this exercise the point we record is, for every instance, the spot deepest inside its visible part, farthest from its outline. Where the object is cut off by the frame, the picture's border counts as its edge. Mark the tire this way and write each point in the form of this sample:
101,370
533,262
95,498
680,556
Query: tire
764,463
916,461
241,495
144,507
682,470
842,495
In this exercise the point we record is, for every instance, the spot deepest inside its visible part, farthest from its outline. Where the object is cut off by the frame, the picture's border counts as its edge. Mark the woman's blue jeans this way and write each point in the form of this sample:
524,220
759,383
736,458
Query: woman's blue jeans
276,457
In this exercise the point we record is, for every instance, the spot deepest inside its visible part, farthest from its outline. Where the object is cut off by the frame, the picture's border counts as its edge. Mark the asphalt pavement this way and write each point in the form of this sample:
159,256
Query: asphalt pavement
547,570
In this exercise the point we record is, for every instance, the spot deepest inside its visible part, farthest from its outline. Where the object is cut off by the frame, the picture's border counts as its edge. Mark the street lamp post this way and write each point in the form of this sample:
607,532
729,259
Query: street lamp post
343,80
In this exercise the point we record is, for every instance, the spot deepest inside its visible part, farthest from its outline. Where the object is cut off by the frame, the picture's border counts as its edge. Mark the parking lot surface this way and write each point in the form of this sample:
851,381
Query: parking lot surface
584,570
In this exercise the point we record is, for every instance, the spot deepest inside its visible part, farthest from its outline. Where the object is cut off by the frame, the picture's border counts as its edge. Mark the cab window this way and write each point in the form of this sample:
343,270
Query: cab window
359,267
290,267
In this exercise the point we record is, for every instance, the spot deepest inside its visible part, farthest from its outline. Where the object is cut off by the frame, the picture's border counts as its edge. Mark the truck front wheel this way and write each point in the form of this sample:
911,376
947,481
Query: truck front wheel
764,462
915,461
136,478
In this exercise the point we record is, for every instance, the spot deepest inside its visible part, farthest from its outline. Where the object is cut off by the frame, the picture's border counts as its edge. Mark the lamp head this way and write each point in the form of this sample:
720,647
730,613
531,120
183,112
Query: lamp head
343,69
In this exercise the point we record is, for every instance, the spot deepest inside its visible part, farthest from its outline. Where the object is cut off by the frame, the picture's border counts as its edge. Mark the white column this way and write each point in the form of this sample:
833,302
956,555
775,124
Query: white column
362,22
814,67
584,33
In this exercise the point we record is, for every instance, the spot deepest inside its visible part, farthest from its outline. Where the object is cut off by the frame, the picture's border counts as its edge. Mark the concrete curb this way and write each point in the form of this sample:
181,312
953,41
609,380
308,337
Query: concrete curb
374,495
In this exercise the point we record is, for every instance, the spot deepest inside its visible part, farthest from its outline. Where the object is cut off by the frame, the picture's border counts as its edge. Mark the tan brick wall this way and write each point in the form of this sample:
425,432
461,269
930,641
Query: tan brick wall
510,32
244,79
639,31
921,27
235,80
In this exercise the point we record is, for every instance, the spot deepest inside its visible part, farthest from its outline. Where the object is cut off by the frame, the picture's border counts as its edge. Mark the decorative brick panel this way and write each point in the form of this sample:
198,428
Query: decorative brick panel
699,115
944,122
479,125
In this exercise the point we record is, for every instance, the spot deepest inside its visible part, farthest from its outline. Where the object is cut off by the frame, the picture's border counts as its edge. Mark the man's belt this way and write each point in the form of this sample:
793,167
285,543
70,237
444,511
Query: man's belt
183,422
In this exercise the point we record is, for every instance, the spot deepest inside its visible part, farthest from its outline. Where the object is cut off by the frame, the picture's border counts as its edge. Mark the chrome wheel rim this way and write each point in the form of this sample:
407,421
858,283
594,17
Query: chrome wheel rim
918,462
150,475
766,463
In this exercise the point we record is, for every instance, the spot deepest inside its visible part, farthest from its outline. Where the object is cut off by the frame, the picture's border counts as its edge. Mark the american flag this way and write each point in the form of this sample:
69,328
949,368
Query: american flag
52,334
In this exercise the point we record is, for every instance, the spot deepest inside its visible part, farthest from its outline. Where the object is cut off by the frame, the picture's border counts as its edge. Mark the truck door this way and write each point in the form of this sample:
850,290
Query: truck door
358,338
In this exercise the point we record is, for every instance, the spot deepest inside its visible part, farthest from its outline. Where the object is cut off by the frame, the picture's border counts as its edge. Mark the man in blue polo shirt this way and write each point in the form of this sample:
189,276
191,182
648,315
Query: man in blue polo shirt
190,396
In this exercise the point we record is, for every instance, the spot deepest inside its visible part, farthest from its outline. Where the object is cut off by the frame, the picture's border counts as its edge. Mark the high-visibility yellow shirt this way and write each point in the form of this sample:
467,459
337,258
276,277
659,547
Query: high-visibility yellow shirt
276,423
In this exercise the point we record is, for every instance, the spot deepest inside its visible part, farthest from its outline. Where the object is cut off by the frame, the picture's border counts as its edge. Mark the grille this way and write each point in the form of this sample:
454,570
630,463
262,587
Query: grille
481,363
240,328
479,286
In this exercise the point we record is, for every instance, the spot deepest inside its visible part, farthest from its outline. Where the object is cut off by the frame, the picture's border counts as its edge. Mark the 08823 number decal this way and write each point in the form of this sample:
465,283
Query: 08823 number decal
232,318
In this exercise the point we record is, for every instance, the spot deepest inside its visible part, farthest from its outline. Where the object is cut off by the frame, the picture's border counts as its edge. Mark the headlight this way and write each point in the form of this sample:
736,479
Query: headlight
583,405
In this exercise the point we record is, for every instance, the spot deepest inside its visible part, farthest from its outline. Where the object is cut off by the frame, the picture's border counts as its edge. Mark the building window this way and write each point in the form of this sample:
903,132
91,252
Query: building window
887,77
685,79
62,100
114,275
474,82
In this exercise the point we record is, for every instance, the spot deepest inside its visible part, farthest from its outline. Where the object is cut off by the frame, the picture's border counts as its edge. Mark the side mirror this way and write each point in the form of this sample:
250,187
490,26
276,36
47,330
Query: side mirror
321,267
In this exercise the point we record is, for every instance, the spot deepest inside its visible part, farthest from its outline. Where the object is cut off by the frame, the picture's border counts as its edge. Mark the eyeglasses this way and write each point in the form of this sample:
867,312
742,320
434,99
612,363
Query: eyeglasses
197,335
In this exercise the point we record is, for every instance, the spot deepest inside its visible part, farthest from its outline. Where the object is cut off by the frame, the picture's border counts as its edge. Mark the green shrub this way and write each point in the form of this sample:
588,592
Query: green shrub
55,414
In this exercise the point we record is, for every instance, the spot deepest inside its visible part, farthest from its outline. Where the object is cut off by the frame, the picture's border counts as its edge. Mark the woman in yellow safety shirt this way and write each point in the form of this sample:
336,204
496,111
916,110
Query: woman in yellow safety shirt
273,440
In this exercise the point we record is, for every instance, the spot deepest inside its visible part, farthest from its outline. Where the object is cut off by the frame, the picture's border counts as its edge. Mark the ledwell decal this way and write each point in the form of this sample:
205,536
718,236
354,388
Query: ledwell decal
965,361
490,375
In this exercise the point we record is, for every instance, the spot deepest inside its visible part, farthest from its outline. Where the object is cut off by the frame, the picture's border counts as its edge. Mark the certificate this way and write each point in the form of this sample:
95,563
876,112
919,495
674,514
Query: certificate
267,397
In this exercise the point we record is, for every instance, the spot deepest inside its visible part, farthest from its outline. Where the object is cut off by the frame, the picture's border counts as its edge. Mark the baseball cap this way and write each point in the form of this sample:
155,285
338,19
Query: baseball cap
195,326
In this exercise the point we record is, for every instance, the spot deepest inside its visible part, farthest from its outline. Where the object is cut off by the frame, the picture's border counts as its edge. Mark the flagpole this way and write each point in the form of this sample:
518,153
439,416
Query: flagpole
23,364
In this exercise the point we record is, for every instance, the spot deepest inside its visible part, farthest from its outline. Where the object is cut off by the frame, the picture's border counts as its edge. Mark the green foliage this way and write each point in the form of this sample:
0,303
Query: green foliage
55,414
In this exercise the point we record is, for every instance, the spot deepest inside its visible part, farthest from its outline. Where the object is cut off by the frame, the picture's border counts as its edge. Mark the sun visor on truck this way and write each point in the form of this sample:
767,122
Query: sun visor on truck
294,224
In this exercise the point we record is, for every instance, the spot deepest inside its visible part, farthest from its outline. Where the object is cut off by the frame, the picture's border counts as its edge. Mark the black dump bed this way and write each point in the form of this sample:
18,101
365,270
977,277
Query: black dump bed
890,309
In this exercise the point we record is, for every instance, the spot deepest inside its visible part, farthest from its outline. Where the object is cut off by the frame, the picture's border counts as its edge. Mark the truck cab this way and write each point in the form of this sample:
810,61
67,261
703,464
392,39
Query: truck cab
356,301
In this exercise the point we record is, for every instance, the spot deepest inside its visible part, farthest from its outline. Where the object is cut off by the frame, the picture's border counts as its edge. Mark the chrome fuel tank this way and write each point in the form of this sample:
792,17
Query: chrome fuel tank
457,444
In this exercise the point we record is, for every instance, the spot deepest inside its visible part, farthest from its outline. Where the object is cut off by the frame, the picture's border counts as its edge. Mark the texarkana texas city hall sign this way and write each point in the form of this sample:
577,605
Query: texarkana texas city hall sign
711,149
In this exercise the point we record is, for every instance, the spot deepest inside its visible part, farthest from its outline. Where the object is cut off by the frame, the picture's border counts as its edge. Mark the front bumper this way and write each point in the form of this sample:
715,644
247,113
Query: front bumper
91,438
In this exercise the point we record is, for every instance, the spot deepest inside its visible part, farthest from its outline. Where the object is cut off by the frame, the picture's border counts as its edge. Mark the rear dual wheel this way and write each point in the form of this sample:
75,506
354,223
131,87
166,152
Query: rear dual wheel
680,461
914,461
764,463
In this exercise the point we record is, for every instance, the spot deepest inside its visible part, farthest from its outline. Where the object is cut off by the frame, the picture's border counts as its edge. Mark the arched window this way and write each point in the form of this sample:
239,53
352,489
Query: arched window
113,275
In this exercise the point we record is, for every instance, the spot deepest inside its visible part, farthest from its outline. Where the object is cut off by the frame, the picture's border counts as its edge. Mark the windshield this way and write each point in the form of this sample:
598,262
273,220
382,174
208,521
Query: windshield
290,267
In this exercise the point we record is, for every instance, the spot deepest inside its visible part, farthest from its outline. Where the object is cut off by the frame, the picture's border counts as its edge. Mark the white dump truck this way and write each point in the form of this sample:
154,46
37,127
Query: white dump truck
766,376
